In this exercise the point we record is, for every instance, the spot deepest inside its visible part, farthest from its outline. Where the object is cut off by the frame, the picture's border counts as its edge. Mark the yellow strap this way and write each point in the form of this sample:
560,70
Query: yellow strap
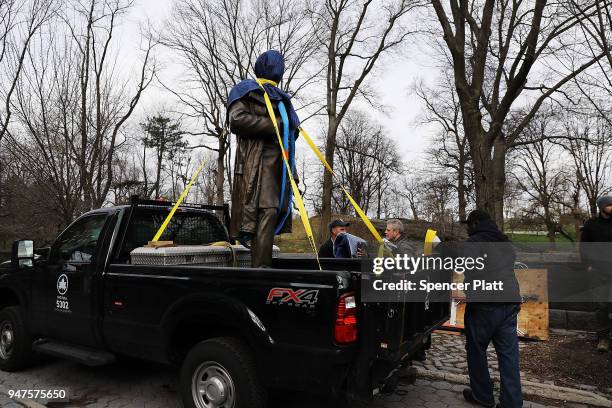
429,238
230,247
178,202
296,192
361,213
262,81
316,151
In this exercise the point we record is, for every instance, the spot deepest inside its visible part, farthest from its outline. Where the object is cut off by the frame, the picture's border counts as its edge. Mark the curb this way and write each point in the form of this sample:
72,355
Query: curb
25,402
530,388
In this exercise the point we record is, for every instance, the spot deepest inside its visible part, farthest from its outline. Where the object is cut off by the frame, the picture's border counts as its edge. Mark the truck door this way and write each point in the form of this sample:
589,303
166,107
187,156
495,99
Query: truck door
71,283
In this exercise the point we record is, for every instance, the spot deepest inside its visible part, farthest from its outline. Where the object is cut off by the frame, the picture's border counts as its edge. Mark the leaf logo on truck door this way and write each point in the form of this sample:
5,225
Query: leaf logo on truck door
305,298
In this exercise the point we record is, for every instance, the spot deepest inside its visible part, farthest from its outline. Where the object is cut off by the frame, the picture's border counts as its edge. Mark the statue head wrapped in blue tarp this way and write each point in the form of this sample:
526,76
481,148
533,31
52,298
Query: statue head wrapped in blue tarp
269,66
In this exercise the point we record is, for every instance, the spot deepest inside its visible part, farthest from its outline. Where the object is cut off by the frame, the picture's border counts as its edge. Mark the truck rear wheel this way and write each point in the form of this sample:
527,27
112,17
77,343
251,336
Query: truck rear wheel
15,340
220,373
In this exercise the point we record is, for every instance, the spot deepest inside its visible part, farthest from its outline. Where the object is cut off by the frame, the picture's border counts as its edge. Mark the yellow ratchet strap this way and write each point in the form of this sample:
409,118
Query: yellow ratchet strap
228,246
262,81
361,213
296,192
178,202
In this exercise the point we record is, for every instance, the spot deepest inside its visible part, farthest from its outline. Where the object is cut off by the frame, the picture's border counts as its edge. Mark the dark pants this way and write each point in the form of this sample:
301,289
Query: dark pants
261,252
604,323
601,281
496,323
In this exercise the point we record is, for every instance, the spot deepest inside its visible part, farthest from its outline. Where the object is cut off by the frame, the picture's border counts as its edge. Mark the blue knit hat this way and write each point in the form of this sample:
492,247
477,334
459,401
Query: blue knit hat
604,201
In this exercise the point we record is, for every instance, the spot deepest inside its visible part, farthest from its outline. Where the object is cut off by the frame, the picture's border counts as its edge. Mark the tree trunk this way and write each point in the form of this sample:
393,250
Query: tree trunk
593,206
328,181
550,225
461,191
220,182
499,180
158,174
489,161
415,213
144,172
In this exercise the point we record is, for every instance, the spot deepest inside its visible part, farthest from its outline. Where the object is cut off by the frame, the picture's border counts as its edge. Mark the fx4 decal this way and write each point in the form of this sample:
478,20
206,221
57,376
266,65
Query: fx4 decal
305,298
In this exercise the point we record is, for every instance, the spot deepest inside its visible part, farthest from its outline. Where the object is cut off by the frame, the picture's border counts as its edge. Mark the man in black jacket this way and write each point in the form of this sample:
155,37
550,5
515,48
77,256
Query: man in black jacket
335,227
491,316
596,254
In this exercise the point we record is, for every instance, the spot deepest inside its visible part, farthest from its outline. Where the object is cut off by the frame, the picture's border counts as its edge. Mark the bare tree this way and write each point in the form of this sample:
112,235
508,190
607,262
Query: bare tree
589,148
357,35
366,160
105,104
493,47
46,108
25,207
412,189
437,199
127,178
19,22
449,148
388,164
595,21
539,174
72,105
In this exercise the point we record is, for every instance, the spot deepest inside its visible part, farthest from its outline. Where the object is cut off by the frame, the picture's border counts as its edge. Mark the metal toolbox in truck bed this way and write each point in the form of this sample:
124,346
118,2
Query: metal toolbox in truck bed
195,255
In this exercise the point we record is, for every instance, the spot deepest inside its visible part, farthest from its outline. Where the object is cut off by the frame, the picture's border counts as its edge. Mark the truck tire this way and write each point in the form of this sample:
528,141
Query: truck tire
221,373
15,340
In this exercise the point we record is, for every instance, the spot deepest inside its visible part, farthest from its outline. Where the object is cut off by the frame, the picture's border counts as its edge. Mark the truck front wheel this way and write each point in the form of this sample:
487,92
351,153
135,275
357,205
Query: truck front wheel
15,340
221,373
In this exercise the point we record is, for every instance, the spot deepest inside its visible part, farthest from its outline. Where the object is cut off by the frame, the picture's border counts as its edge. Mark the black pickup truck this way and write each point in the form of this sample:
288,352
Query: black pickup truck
235,332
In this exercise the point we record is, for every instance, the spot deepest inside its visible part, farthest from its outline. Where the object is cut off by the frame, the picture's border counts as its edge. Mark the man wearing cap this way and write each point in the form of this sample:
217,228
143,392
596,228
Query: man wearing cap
597,258
335,227
490,316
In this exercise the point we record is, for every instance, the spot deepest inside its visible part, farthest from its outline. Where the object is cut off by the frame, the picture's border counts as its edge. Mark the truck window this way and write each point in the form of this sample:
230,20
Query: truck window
79,242
185,228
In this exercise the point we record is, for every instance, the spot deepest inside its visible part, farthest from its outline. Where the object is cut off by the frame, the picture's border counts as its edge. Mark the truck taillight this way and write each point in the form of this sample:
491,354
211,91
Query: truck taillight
345,330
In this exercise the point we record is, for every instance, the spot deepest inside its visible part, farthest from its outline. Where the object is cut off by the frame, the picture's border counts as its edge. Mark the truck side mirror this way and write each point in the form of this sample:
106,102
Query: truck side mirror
22,253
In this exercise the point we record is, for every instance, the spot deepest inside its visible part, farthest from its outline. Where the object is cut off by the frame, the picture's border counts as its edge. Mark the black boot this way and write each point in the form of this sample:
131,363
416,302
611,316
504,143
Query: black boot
245,239
469,397
603,345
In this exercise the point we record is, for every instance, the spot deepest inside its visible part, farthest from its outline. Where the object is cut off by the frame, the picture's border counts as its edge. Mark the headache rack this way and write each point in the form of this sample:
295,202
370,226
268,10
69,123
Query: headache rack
220,210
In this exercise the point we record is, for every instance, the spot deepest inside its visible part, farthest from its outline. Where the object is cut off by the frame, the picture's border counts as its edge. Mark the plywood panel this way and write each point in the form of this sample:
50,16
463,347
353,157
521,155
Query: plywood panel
533,318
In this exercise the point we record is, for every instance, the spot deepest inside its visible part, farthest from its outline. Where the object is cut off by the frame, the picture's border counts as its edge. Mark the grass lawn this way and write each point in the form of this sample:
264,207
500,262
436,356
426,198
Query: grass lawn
297,242
535,238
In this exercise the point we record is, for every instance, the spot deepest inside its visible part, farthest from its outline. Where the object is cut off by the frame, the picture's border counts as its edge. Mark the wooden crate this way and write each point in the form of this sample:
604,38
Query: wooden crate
533,318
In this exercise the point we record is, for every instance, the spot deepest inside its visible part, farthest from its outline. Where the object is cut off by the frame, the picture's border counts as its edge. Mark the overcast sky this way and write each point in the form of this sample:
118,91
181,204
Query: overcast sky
393,81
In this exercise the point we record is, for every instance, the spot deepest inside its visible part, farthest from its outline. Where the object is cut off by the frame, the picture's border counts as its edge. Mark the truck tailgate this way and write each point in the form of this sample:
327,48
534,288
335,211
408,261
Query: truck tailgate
392,332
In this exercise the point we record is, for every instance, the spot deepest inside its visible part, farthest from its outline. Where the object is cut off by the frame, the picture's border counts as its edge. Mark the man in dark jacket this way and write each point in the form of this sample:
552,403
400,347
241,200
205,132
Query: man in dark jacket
491,316
596,254
396,239
326,250
261,198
